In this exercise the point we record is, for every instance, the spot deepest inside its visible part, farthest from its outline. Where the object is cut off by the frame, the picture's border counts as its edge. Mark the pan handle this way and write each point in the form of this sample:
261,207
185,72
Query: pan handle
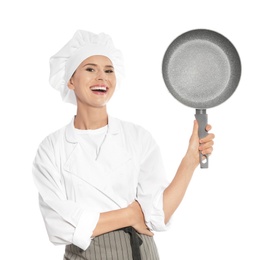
202,119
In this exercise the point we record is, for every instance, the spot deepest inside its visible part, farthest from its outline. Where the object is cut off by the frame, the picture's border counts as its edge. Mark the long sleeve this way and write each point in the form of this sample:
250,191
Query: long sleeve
67,222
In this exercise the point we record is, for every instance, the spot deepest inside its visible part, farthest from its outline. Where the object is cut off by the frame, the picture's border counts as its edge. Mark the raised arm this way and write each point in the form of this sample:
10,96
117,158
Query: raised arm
175,192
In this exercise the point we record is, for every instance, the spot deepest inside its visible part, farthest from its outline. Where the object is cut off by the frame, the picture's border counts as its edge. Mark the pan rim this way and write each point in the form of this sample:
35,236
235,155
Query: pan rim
218,40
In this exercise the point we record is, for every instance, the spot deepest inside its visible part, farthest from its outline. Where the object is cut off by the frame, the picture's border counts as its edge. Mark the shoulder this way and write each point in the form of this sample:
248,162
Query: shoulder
53,139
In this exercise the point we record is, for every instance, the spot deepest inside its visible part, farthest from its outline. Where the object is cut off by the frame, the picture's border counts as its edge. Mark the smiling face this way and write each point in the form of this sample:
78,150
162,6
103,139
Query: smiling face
93,82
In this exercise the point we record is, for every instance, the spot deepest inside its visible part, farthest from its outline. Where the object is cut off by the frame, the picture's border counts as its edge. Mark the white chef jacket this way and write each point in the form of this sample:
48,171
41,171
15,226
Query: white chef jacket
75,187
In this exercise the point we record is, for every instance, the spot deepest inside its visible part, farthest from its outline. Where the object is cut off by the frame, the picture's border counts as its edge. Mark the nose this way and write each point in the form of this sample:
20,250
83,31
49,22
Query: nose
101,75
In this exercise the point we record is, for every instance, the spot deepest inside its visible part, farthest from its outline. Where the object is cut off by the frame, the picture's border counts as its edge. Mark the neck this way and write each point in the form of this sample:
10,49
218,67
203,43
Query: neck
92,118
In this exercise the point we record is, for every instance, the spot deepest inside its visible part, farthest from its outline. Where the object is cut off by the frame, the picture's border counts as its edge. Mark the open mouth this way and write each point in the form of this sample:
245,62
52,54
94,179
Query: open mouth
99,89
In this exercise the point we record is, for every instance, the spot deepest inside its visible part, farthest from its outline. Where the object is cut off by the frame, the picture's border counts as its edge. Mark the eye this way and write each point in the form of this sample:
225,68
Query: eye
90,69
109,71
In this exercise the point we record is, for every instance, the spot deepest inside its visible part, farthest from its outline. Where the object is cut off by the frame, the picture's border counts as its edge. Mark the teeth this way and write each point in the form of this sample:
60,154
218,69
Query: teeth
99,88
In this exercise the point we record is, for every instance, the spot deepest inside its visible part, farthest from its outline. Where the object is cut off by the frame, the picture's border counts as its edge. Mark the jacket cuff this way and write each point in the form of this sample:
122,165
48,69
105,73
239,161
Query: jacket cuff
84,229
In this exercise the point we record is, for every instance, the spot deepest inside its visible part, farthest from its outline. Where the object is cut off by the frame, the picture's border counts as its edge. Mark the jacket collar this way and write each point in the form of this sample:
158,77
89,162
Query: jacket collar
113,129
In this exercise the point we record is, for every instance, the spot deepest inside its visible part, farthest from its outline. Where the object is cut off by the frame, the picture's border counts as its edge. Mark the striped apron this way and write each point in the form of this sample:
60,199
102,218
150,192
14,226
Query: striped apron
122,244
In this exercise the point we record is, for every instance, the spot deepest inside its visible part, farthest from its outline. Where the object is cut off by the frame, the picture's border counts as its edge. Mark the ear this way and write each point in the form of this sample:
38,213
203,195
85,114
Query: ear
70,84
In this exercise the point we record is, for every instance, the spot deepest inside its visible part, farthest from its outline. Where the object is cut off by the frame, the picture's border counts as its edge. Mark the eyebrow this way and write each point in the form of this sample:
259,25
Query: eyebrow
93,64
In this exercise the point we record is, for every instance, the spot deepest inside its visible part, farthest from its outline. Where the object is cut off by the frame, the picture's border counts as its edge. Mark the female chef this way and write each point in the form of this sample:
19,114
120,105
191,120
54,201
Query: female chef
101,181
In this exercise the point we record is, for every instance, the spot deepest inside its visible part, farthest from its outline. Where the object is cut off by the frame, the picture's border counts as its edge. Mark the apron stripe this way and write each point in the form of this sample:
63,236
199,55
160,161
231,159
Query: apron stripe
115,245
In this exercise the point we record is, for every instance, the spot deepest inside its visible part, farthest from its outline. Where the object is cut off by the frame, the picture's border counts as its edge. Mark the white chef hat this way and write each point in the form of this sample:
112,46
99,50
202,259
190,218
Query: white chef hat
83,45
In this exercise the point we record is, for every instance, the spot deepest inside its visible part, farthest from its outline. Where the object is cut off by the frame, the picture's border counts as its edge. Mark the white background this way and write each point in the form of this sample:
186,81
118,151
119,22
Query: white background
222,215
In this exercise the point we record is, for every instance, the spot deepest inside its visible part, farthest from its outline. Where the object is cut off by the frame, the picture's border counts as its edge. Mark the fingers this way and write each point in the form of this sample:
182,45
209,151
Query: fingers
206,148
208,128
194,138
206,144
195,128
207,138
141,228
149,233
139,221
146,231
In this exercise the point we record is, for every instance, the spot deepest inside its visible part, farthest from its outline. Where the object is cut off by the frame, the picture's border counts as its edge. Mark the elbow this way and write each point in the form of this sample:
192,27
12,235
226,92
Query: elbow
167,217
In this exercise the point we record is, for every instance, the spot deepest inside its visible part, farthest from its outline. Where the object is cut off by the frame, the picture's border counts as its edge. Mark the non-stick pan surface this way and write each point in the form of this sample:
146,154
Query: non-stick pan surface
201,69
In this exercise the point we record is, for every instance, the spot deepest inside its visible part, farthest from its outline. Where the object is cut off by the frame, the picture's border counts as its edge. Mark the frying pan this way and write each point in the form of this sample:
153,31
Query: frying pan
201,69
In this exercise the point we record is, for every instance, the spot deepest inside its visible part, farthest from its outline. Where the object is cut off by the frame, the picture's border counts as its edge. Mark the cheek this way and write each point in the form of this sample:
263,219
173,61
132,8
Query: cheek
114,82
